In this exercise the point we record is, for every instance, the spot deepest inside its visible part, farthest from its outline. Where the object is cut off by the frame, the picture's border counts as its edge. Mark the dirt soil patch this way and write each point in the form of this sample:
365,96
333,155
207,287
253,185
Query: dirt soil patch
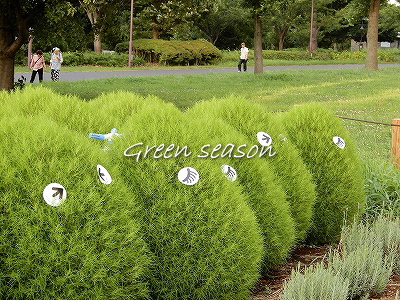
269,288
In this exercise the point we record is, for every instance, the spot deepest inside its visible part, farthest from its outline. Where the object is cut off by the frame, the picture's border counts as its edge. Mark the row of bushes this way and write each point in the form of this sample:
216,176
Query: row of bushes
196,52
90,58
321,54
368,256
146,235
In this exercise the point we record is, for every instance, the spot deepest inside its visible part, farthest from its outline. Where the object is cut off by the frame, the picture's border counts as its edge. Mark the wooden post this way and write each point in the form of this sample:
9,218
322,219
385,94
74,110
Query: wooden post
396,143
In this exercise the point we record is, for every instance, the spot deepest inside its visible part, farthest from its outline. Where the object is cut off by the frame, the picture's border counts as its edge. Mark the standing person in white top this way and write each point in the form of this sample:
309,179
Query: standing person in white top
244,53
55,64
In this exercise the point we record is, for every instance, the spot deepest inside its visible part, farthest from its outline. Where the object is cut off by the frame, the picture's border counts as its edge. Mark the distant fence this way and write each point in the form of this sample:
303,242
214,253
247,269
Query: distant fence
395,137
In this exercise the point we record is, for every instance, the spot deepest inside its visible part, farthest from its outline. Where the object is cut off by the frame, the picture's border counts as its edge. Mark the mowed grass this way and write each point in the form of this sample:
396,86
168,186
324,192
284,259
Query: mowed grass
353,93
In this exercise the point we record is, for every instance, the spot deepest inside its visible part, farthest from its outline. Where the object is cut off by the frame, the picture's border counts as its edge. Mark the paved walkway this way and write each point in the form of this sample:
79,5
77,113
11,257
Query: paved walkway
76,76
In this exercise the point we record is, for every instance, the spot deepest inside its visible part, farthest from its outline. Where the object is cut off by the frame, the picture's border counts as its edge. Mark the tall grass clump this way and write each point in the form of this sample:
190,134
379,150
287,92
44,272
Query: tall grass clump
336,172
263,190
363,259
89,247
205,238
292,174
314,283
382,189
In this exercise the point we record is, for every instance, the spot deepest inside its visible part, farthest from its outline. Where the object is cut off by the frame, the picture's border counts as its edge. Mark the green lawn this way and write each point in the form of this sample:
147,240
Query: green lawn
350,93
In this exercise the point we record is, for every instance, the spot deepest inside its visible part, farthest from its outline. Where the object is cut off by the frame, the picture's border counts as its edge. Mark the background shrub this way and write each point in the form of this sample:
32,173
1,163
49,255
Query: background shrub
90,58
205,238
173,52
263,190
336,172
88,247
292,174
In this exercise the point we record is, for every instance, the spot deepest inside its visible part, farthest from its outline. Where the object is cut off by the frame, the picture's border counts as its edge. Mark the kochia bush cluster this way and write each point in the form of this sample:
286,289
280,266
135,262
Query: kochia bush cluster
147,235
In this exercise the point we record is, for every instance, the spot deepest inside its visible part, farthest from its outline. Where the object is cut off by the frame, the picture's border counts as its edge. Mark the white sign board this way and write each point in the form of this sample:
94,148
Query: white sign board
54,194
188,176
103,174
264,139
229,172
339,142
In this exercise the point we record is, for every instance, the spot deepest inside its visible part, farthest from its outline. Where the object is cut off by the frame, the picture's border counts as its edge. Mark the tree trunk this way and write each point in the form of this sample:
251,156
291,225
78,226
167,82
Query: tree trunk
8,48
281,41
371,62
6,72
258,59
314,40
156,33
313,32
93,18
97,43
11,41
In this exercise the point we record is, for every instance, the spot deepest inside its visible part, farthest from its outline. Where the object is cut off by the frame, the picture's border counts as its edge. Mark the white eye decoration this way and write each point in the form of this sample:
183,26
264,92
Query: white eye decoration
188,176
54,194
264,139
229,172
283,138
339,142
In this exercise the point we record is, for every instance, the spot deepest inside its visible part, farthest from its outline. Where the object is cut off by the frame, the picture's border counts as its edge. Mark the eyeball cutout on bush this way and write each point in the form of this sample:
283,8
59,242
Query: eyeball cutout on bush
264,139
54,194
229,172
283,138
339,142
103,174
188,176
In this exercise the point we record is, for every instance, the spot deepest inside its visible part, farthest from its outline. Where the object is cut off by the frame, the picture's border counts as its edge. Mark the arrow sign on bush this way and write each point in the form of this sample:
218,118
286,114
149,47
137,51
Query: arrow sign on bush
59,191
54,194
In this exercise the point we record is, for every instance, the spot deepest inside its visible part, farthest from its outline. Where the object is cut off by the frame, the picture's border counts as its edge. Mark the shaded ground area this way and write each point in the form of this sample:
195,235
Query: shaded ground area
270,288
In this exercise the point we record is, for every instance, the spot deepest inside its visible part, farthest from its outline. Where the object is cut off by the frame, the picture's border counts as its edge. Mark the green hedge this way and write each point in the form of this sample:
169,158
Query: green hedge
87,248
194,52
90,58
205,238
388,55
336,172
287,165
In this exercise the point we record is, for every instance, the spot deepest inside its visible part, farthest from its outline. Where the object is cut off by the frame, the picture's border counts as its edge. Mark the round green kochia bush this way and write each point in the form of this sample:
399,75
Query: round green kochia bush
97,116
336,172
249,119
265,194
205,238
89,247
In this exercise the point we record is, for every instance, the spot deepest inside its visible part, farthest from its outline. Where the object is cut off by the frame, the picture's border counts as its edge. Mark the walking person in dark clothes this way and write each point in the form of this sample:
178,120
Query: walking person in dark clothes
244,53
38,65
